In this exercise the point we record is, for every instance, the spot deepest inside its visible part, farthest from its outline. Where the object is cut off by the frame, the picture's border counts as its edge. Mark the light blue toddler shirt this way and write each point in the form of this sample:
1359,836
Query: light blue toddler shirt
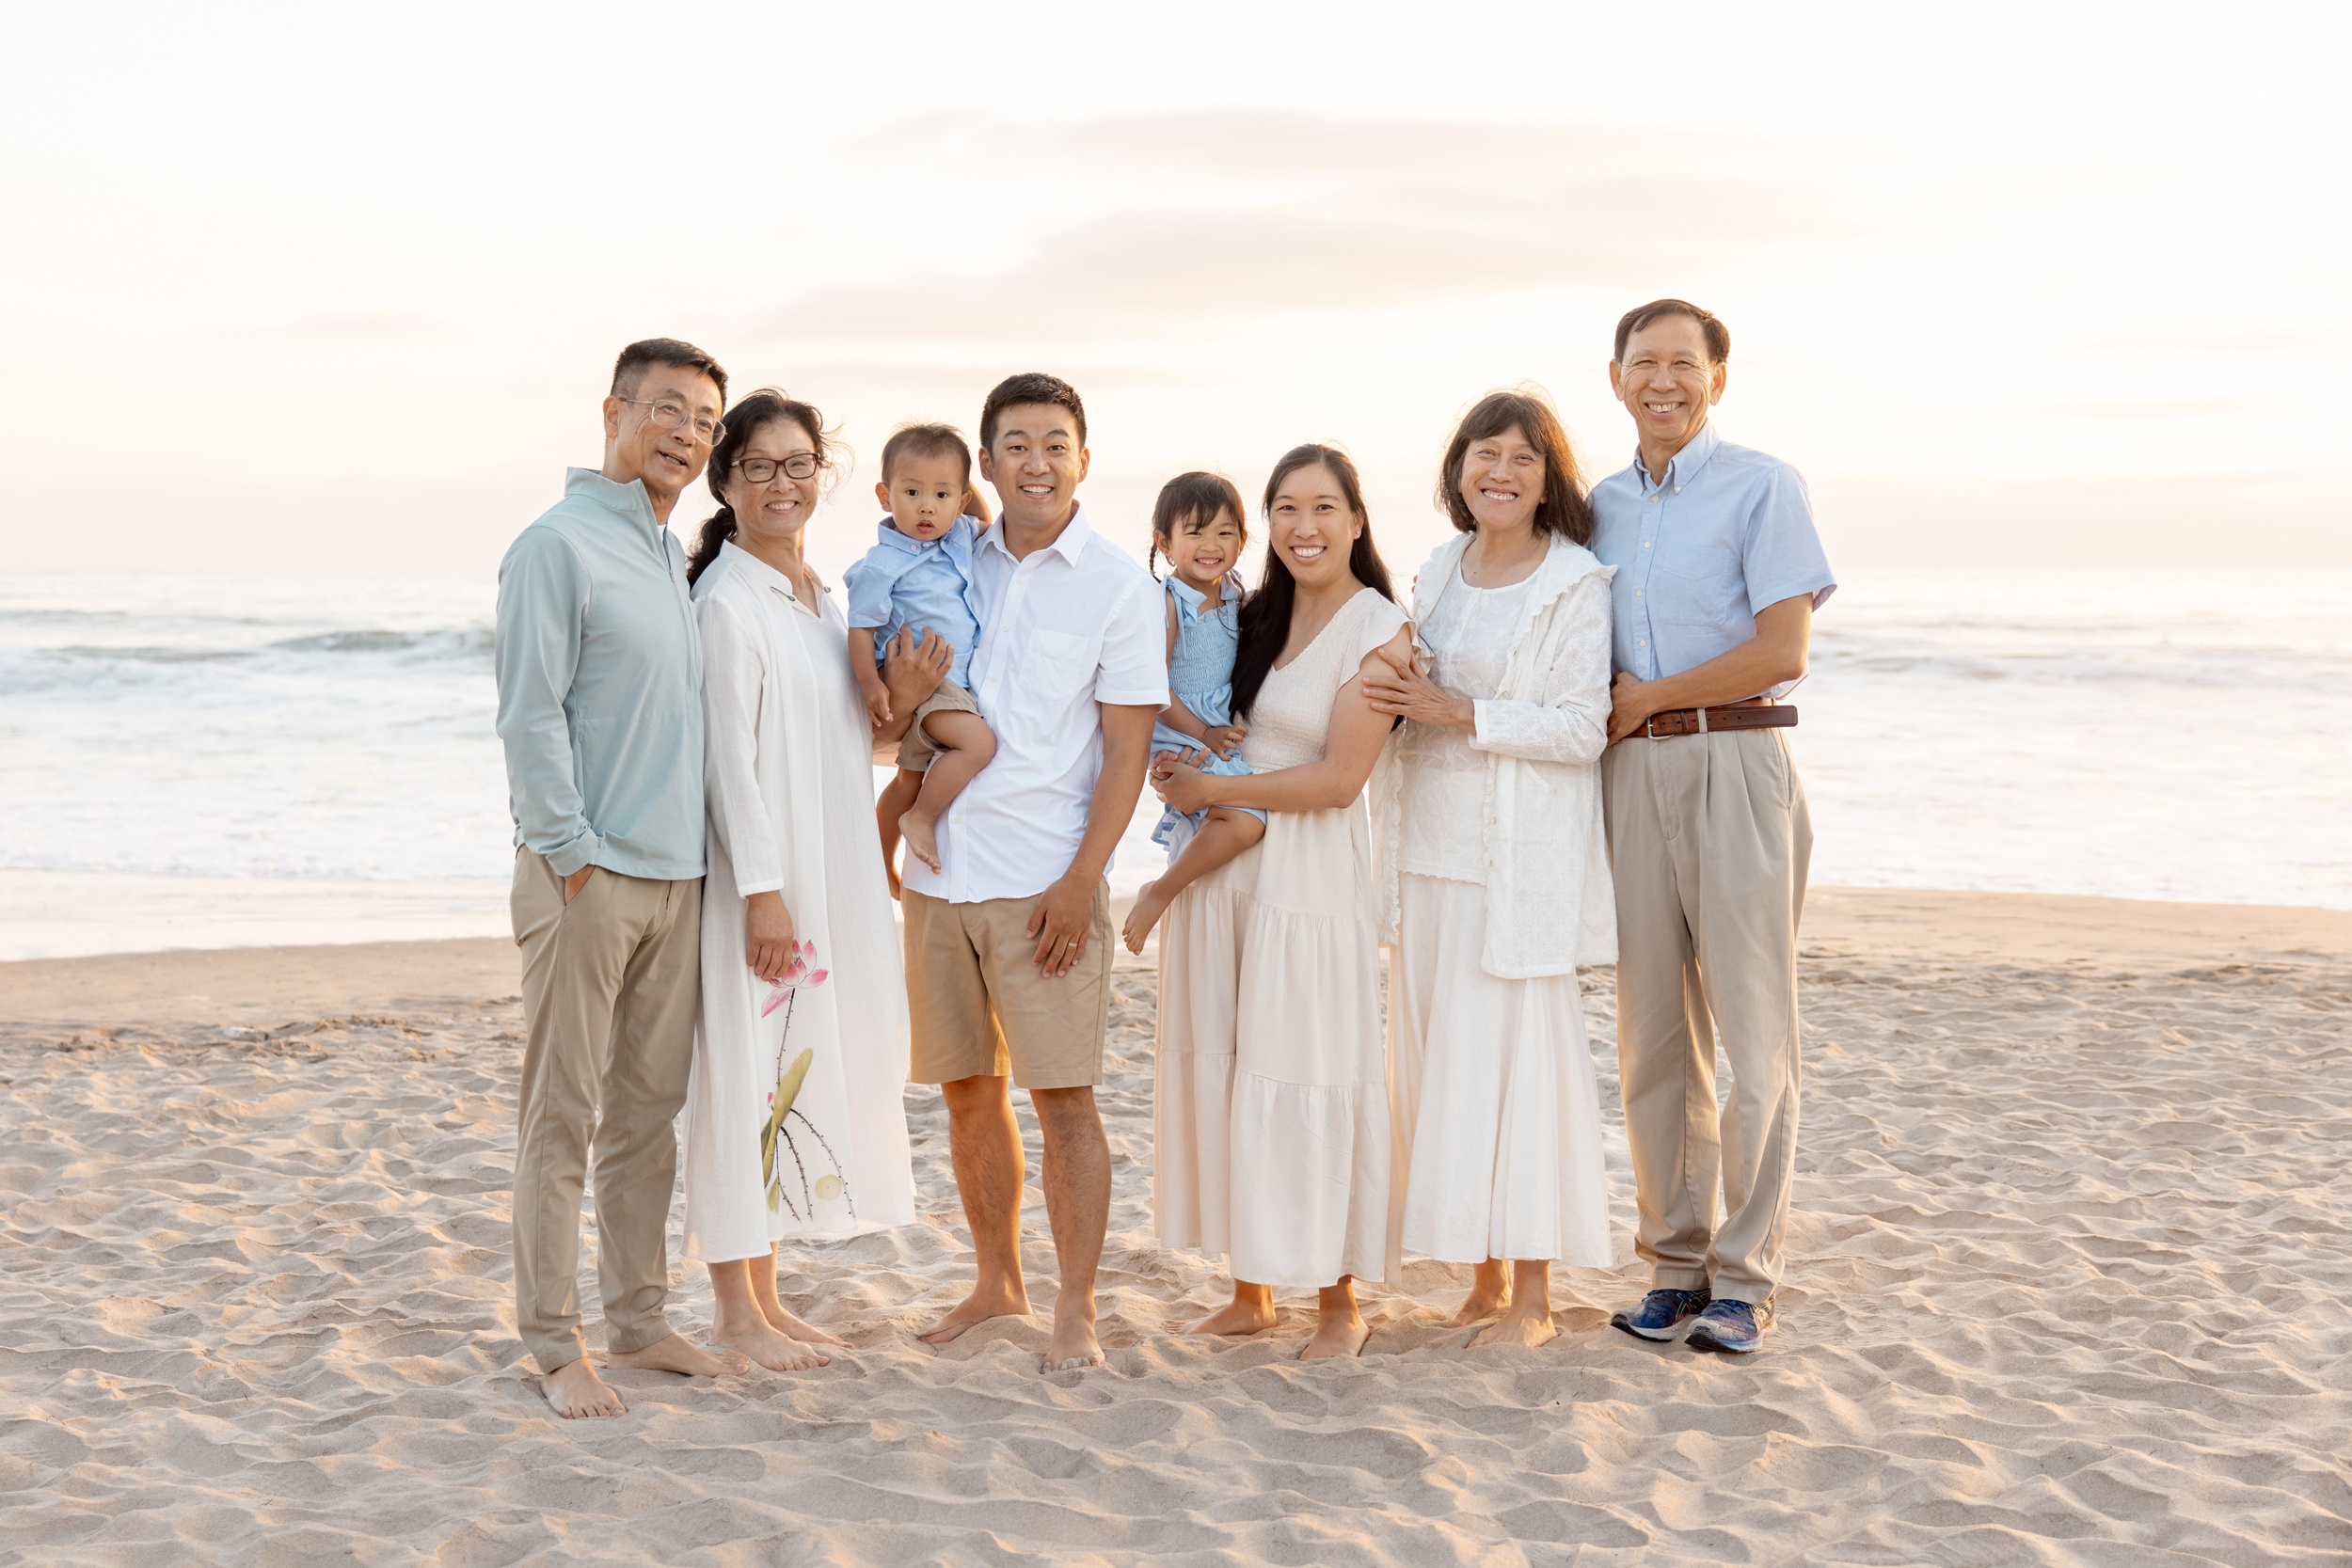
922,583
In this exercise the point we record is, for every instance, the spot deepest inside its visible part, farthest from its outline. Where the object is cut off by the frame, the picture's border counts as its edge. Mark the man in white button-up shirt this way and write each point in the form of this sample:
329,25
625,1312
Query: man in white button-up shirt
1008,945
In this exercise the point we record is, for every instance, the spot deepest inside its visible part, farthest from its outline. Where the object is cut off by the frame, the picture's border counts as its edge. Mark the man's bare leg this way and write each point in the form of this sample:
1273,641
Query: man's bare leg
986,1144
1527,1320
742,1326
965,745
897,796
575,1390
1078,1207
772,1307
1222,837
1489,1293
1250,1311
679,1355
1340,1328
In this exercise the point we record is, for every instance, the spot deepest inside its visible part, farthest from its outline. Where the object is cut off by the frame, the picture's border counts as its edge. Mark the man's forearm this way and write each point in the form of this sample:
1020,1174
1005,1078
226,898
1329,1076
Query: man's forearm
1728,677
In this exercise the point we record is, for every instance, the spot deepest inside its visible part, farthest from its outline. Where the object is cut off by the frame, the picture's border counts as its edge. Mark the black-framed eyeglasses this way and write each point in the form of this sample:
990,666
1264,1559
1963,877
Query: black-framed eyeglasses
674,416
759,471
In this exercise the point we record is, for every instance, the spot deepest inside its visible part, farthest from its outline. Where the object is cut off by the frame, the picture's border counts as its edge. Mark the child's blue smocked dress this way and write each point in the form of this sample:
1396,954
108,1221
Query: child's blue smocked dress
1200,674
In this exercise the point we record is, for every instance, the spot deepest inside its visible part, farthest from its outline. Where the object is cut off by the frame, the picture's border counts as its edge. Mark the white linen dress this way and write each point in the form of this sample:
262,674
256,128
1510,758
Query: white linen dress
791,808
1495,1087
1271,1125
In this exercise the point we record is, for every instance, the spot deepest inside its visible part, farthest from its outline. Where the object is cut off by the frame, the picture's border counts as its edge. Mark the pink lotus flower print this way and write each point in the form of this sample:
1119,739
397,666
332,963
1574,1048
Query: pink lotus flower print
796,974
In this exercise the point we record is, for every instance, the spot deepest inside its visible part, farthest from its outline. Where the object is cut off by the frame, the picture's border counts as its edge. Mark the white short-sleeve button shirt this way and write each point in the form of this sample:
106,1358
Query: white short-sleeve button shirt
1076,624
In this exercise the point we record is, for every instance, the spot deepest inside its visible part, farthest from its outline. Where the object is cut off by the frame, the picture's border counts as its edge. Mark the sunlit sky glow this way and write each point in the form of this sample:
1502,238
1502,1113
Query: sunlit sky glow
2045,284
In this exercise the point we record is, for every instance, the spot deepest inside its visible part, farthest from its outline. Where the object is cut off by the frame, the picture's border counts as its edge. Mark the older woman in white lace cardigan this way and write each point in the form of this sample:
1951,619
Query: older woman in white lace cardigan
1494,873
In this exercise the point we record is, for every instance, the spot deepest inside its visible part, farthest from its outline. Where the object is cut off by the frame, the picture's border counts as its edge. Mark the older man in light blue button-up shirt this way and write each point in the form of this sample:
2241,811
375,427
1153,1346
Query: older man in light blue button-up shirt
1718,573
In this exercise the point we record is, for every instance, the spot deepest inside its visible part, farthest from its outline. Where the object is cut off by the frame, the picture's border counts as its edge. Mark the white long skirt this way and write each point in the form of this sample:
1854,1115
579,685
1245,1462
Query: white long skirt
1494,1086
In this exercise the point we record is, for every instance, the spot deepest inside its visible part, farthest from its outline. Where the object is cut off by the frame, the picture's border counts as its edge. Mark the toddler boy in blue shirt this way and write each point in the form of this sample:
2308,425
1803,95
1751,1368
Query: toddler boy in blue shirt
919,574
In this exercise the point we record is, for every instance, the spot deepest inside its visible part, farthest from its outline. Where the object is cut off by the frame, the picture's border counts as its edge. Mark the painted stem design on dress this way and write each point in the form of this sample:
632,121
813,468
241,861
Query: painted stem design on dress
788,1081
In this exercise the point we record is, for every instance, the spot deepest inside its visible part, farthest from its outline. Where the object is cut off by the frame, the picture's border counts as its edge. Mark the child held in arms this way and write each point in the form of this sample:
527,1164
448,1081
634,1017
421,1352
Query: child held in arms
919,574
1197,523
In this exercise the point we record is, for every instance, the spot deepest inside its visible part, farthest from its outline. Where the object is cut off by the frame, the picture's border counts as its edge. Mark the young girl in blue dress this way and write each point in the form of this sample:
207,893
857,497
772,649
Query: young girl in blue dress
1197,523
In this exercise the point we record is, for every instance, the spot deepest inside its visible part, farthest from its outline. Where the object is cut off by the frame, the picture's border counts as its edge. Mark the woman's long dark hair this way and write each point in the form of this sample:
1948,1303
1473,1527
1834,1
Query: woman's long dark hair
745,421
1266,615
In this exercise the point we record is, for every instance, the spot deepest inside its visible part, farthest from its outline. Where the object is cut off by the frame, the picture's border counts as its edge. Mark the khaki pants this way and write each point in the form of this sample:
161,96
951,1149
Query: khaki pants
611,988
1708,838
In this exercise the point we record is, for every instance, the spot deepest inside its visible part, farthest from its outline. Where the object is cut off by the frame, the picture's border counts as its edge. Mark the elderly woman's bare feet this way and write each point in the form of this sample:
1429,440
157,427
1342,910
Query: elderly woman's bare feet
1489,1293
785,1323
681,1356
1530,1325
1242,1315
1337,1333
574,1390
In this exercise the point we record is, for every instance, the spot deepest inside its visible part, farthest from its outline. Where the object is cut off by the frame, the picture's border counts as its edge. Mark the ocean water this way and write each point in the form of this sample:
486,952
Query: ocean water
2142,734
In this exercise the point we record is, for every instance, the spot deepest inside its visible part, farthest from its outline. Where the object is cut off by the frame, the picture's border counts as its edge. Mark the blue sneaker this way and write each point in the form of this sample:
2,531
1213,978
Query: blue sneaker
1734,1325
1660,1313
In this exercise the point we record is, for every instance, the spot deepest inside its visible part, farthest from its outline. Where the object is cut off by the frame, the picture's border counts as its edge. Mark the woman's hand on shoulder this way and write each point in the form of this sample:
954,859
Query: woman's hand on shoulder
767,934
1396,682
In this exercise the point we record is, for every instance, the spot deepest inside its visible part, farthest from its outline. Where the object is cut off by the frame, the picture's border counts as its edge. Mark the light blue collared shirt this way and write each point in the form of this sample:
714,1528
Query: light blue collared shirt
923,583
601,677
1728,532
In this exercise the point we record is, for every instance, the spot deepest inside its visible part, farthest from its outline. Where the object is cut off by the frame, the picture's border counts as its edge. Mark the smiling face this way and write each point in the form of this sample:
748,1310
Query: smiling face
925,494
773,513
667,459
1203,548
1035,463
1667,382
1501,480
1310,526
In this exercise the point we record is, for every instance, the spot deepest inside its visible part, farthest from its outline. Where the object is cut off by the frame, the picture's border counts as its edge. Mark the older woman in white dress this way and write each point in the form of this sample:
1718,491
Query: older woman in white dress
1272,1129
1494,873
794,1125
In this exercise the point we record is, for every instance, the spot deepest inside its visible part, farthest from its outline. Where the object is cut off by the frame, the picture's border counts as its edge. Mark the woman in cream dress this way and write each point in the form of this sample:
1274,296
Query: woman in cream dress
794,1125
1271,1127
1494,873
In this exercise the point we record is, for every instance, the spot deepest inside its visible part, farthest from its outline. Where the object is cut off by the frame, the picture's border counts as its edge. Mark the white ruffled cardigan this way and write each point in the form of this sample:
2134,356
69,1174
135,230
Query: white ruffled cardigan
1550,904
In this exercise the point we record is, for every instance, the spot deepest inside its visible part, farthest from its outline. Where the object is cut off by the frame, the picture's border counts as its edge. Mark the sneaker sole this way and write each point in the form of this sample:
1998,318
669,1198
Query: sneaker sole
1654,1336
1699,1338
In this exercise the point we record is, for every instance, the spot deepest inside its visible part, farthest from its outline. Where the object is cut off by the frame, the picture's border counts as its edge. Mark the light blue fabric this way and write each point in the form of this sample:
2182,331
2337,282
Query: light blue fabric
599,677
1201,676
1728,532
923,583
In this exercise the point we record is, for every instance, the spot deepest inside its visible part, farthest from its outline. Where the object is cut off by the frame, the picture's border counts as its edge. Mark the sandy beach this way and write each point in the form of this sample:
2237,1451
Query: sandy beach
2069,1266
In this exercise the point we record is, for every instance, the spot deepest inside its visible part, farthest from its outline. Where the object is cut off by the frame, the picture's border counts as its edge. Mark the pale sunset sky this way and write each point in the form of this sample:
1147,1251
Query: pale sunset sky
313,286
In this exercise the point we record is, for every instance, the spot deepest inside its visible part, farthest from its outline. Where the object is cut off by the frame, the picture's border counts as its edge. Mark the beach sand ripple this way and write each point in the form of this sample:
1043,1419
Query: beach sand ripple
2070,1266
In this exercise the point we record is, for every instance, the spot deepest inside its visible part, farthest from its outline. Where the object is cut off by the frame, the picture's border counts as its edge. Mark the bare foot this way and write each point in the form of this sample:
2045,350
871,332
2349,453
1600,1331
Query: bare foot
1236,1318
771,1347
1012,1302
1073,1347
1530,1327
921,837
1489,1293
785,1323
681,1356
575,1390
1336,1335
1150,906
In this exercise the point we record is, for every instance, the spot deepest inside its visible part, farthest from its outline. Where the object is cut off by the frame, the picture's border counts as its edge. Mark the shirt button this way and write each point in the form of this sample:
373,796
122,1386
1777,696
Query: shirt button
1646,544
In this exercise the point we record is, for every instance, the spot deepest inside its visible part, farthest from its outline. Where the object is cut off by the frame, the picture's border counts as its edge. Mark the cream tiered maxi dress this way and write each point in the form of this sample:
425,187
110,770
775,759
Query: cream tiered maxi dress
791,808
1272,1132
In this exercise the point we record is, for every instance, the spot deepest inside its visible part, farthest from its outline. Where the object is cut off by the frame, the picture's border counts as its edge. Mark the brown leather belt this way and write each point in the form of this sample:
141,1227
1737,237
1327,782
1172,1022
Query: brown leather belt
1757,713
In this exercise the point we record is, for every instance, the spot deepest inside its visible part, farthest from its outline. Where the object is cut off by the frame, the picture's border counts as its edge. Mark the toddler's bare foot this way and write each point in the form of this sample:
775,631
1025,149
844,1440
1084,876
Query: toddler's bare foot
1236,1318
575,1390
770,1346
785,1322
679,1354
922,838
1528,1326
1336,1334
1150,906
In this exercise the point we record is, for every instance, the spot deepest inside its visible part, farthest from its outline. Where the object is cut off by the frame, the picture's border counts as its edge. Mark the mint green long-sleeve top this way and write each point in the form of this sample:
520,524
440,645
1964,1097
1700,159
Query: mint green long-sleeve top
599,674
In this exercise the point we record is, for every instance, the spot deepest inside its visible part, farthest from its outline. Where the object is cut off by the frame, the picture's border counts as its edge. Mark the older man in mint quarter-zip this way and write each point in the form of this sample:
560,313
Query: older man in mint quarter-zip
1718,570
599,675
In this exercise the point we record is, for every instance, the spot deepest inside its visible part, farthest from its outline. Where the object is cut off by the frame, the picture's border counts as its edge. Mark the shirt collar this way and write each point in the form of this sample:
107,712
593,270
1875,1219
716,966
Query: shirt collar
741,559
624,500
1685,465
891,536
1069,544
1190,599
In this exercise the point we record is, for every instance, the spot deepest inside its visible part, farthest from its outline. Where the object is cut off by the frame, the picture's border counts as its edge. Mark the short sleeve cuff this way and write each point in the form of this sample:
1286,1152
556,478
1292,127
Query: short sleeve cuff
1135,696
1818,585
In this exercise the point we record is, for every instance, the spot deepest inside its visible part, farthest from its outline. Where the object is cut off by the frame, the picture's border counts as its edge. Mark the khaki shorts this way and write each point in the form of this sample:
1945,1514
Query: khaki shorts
916,750
977,1006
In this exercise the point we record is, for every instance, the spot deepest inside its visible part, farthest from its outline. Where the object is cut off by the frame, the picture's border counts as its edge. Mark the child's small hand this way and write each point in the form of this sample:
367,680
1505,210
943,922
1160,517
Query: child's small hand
1225,739
878,703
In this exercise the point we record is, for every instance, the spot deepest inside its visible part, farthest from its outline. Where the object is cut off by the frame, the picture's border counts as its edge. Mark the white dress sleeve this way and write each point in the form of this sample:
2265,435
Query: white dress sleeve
1381,622
735,677
1571,724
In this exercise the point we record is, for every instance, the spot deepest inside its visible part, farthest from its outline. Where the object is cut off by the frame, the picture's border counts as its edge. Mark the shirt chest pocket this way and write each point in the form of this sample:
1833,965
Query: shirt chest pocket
1057,664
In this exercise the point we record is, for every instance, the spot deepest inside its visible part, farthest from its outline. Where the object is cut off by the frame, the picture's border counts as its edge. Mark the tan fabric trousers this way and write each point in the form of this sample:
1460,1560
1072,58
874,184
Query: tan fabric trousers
1710,839
610,988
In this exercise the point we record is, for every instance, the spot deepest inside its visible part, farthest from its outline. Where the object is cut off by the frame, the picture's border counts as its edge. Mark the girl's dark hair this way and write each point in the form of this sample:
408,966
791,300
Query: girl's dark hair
1566,509
1189,495
1266,615
745,421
